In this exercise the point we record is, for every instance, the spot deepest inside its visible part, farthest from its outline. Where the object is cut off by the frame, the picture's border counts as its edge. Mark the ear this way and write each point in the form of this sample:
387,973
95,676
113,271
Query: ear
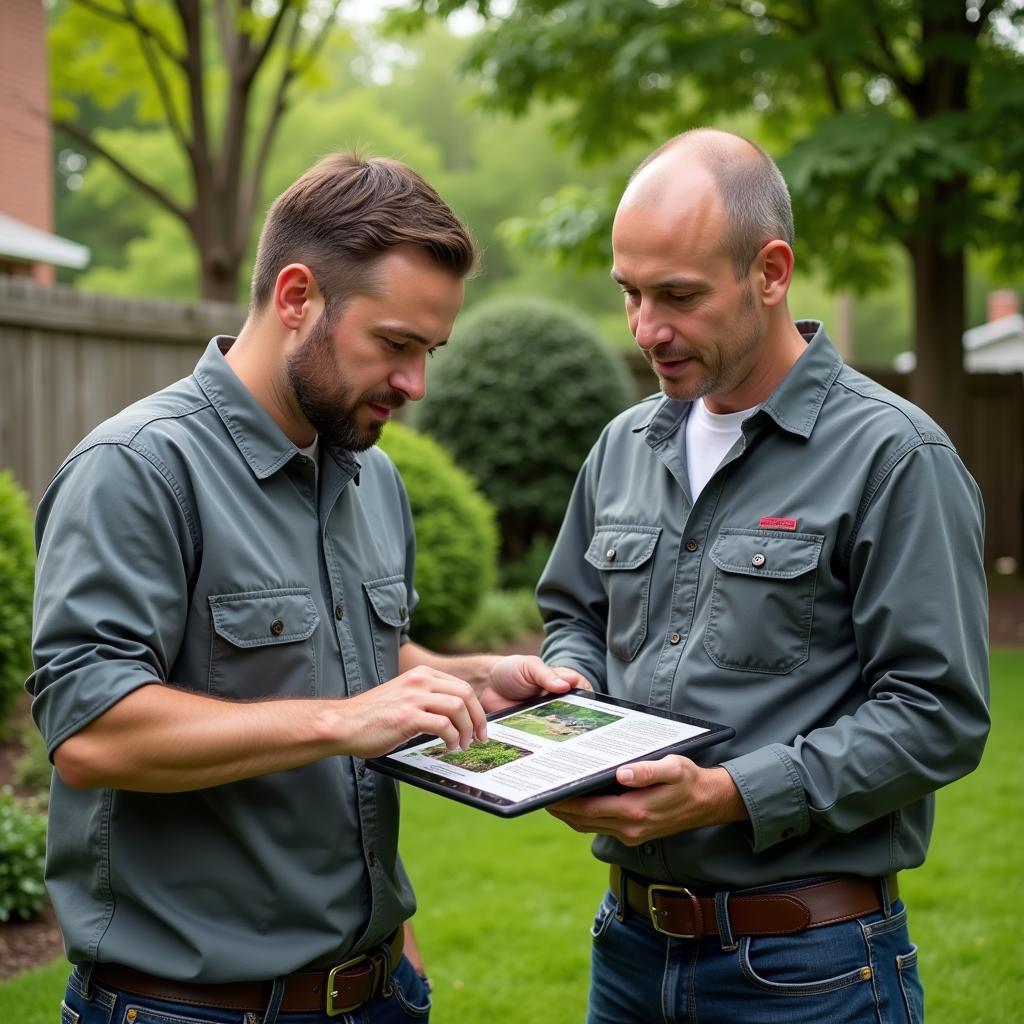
774,264
295,296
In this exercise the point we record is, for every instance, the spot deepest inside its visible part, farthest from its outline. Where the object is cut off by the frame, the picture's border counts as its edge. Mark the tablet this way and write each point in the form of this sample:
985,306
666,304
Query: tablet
544,750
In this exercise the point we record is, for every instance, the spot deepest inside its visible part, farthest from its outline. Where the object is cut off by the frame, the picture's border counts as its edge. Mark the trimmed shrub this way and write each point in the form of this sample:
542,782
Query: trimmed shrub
502,617
33,768
518,400
456,536
17,569
22,853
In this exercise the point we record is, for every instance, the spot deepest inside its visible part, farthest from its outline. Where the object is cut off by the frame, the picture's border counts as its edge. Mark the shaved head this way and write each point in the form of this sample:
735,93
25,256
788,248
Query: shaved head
748,185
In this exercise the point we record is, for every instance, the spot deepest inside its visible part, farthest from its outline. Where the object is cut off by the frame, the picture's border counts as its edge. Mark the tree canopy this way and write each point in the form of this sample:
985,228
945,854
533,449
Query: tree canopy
200,70
893,121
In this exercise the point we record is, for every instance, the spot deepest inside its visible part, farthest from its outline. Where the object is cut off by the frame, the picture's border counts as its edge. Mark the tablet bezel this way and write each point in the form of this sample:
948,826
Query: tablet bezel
503,807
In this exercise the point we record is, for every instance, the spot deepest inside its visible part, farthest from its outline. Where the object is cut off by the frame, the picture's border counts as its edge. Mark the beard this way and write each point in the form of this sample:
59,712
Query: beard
325,396
724,366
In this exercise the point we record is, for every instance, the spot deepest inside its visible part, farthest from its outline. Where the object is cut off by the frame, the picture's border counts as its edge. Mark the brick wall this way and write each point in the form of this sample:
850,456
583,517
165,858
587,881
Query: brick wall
26,164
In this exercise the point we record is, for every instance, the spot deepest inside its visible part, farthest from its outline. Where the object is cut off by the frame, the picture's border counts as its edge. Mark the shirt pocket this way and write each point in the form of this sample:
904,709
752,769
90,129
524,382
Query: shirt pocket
389,619
762,600
624,555
262,643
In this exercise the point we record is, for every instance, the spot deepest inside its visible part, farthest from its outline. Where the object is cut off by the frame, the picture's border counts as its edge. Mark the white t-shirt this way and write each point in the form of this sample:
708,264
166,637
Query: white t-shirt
312,452
709,436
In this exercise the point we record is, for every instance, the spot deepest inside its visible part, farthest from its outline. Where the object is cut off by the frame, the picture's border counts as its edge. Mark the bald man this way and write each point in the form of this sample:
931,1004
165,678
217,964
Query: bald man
780,544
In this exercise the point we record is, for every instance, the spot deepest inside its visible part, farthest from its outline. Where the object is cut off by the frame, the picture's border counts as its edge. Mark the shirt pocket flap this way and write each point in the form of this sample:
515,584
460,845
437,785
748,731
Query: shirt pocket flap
622,547
388,600
264,617
782,556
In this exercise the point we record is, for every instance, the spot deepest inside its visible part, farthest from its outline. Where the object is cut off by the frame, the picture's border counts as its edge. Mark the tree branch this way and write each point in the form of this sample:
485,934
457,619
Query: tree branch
158,195
227,40
157,73
258,55
319,39
143,29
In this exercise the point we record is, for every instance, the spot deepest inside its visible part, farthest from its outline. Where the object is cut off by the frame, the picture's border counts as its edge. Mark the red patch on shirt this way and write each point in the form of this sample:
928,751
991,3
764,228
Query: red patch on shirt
775,523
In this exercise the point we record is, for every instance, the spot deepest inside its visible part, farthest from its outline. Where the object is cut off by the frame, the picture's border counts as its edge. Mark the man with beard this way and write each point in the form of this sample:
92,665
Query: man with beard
225,585
781,545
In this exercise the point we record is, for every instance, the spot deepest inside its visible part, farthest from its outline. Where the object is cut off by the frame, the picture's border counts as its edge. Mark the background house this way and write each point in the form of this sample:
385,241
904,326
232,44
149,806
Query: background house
28,246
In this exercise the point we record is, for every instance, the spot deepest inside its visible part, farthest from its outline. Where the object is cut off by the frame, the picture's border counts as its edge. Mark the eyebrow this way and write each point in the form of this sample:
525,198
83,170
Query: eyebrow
668,283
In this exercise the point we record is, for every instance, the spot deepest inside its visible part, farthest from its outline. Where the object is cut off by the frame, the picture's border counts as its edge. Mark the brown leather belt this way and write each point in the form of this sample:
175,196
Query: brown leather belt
332,991
676,911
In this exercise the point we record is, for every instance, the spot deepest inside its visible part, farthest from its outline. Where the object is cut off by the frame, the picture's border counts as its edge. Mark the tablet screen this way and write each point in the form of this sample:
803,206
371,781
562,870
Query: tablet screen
549,745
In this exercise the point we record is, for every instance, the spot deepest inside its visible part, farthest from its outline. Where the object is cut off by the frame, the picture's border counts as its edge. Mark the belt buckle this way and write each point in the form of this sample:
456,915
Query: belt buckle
678,890
376,964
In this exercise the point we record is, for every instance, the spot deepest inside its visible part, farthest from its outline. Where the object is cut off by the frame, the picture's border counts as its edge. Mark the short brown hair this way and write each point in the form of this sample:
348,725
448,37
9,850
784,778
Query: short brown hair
343,214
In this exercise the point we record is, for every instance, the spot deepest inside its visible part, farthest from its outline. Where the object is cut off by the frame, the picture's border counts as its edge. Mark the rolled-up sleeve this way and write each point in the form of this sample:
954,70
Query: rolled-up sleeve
572,601
919,608
116,552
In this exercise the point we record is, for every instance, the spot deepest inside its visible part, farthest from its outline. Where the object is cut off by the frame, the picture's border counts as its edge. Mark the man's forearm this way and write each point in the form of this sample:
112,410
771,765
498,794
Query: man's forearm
159,739
474,668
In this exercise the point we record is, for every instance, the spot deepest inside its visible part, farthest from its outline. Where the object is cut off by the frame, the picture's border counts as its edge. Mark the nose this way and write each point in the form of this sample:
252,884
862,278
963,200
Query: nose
648,328
411,379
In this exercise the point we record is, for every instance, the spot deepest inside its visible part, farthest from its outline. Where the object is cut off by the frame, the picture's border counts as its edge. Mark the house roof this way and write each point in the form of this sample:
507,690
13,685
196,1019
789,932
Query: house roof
1006,328
21,242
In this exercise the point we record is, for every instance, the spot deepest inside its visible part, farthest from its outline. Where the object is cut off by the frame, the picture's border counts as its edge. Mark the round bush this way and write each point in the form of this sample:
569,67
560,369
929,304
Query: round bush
456,535
22,853
519,399
17,568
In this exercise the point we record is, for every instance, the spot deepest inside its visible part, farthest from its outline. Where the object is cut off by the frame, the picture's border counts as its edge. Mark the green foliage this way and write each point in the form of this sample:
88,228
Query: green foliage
456,538
22,854
523,573
502,617
519,400
33,768
17,569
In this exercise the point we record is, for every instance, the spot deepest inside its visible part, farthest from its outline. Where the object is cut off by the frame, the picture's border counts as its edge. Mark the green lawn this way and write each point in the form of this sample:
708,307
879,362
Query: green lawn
505,905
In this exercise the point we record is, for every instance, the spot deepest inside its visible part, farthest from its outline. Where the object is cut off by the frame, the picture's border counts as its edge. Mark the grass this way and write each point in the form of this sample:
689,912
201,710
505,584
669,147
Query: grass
505,905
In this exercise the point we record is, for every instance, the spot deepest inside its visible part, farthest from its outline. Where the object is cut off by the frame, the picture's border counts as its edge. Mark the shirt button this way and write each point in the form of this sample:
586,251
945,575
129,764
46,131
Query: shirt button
674,638
649,849
339,611
402,611
277,627
758,560
610,554
371,858
692,545
361,771
786,833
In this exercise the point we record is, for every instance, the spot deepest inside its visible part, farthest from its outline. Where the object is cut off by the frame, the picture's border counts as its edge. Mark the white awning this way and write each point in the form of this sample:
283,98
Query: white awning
19,241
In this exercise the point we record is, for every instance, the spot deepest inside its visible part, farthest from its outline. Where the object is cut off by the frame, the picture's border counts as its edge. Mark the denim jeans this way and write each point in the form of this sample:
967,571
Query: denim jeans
404,999
862,971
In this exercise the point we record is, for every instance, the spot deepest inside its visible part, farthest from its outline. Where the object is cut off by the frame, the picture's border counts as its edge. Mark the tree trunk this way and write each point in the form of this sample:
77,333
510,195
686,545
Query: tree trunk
219,280
939,382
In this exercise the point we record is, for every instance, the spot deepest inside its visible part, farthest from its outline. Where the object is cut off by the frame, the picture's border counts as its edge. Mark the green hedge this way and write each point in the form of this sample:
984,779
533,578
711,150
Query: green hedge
22,854
456,536
17,569
518,399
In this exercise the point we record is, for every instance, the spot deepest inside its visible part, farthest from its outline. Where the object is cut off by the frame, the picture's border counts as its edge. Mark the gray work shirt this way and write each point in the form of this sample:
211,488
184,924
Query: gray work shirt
824,596
185,541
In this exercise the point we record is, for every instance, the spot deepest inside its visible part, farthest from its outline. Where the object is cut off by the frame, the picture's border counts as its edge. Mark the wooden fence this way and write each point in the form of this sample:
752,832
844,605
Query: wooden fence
69,360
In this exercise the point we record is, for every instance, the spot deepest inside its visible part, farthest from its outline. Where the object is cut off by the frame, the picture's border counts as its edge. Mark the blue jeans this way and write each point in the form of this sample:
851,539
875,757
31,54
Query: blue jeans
404,999
862,971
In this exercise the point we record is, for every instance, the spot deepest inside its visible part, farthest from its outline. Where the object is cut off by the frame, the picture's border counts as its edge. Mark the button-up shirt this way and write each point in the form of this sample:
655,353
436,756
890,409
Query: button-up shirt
824,595
186,542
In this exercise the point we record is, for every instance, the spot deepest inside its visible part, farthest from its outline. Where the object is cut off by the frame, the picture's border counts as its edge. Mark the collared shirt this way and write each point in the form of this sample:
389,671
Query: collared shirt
824,595
185,542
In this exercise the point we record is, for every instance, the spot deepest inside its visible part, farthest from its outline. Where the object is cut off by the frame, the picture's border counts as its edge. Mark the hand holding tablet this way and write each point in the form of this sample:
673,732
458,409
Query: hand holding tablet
546,750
